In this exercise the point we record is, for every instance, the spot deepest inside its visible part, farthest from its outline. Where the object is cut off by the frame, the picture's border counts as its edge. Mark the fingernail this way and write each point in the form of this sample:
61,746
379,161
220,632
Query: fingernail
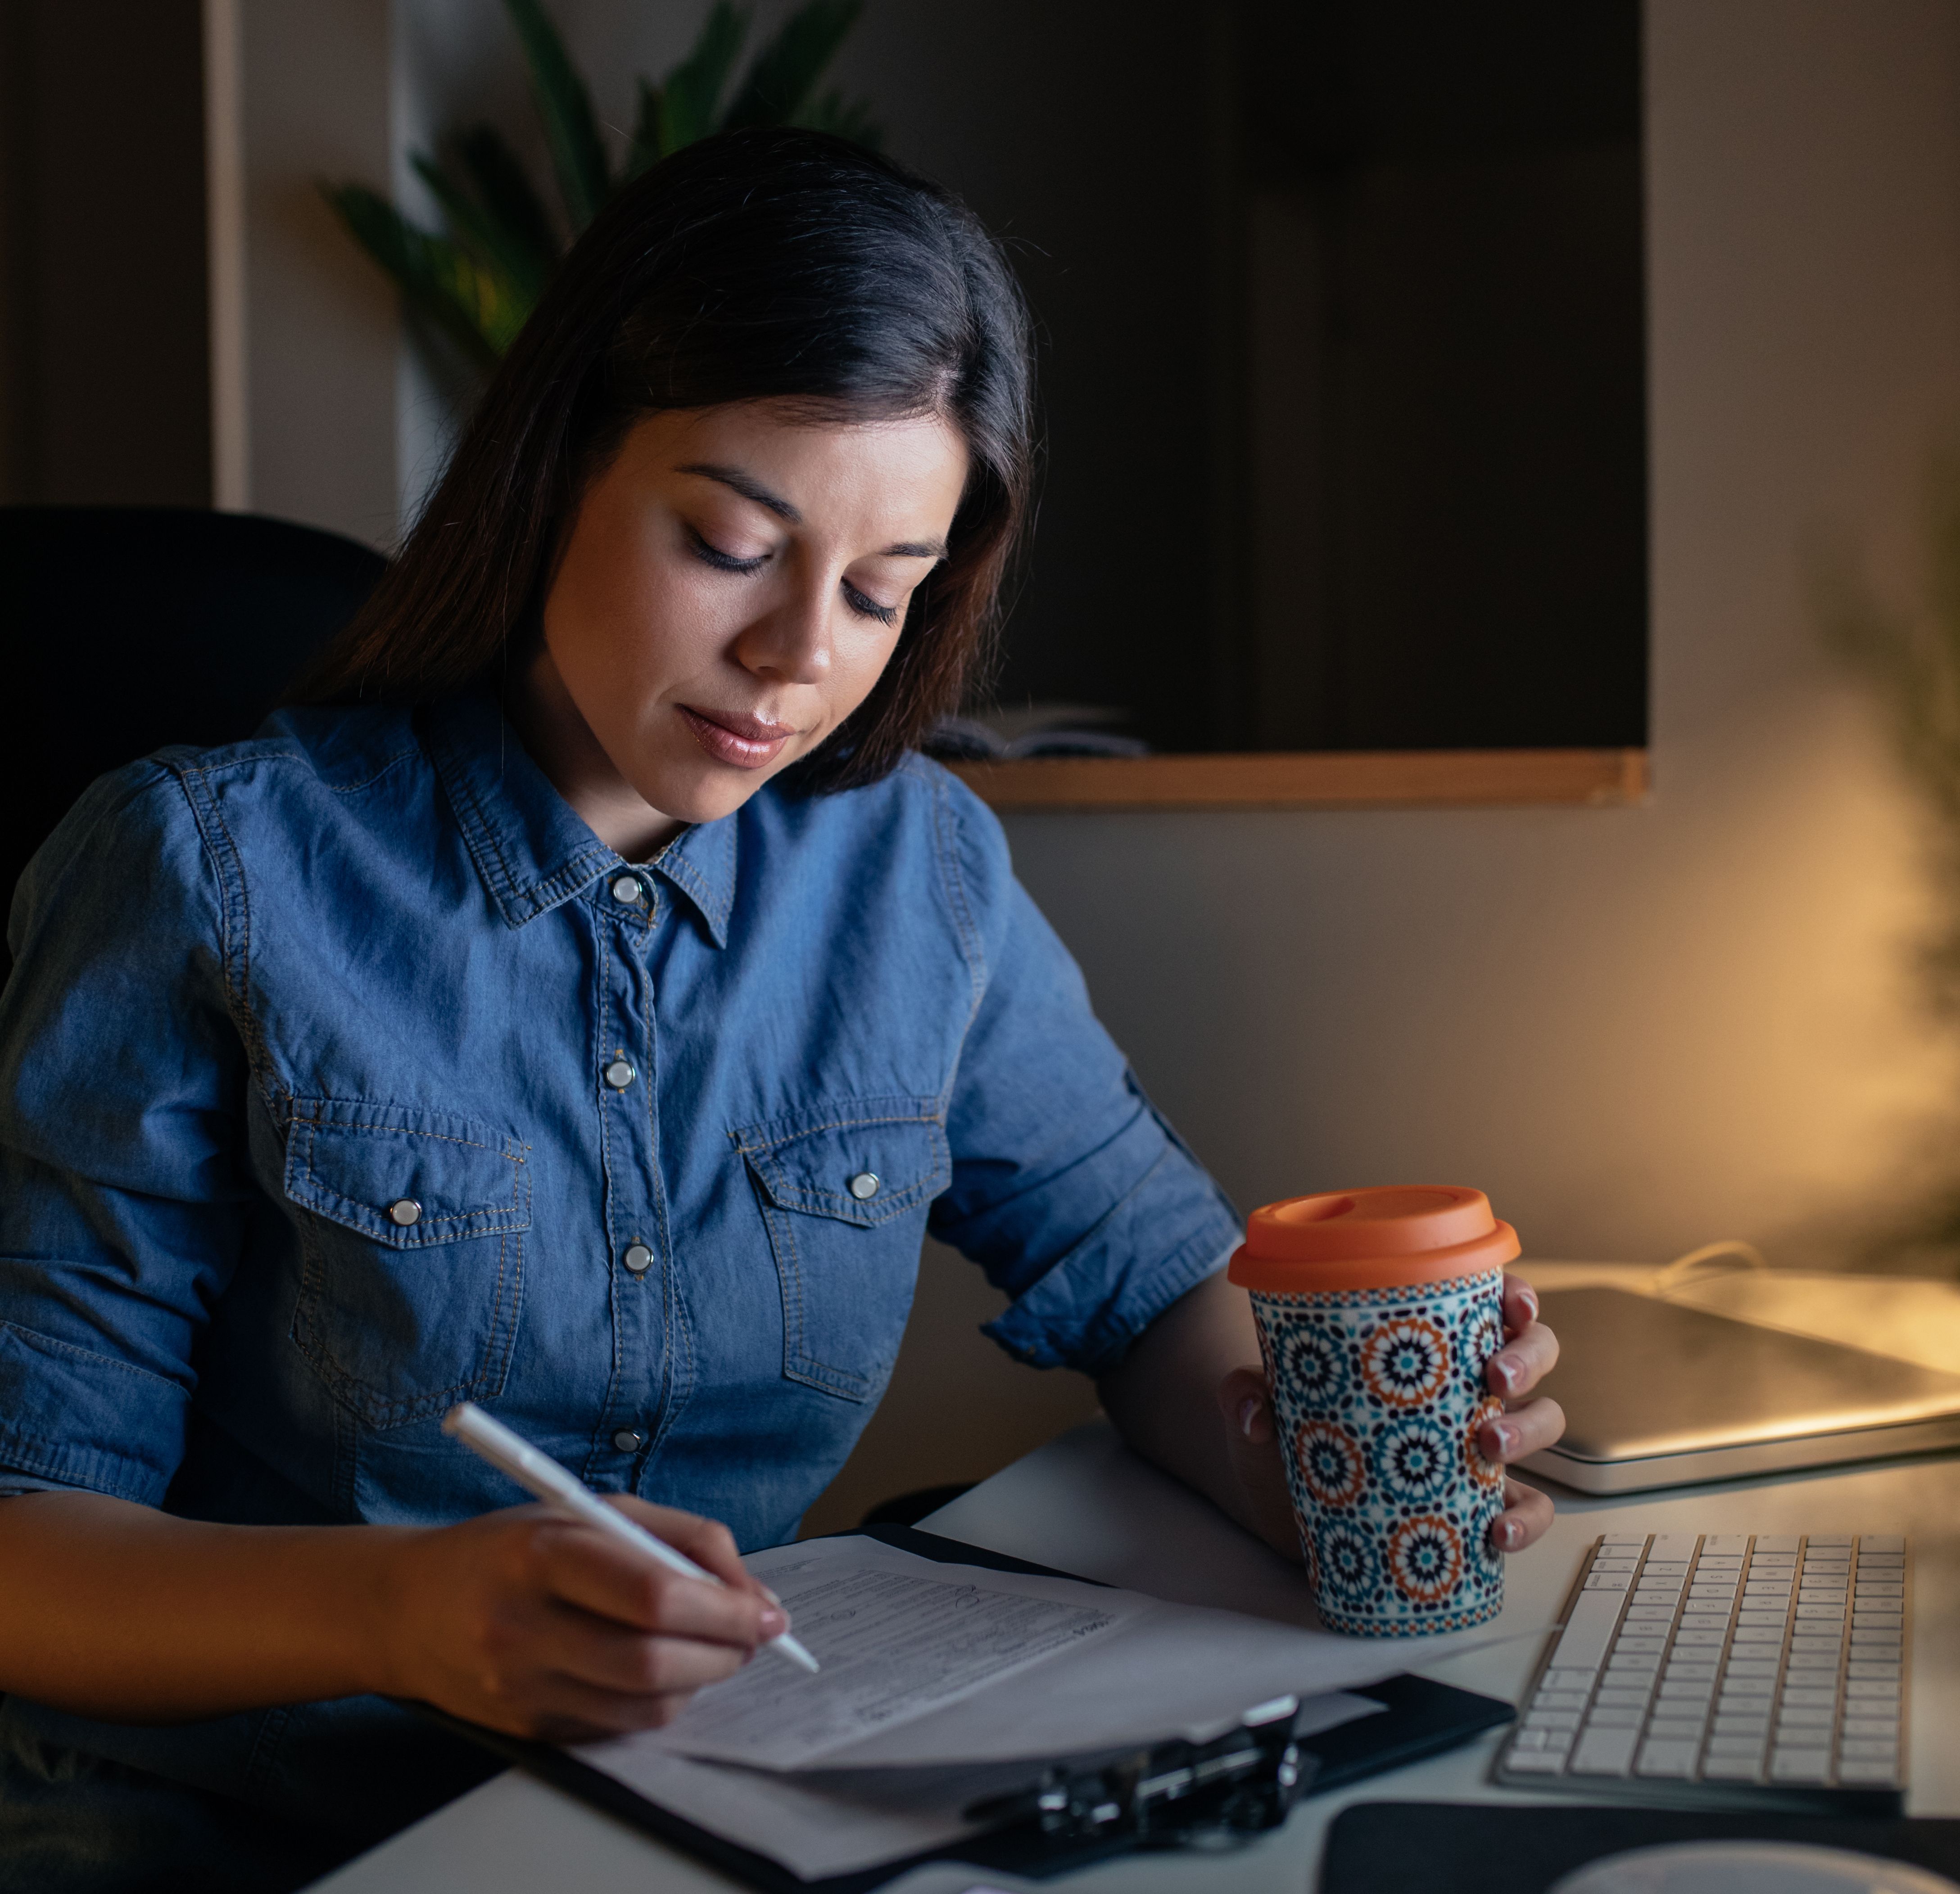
1507,1533
1248,1411
1505,1368
775,1622
1506,1438
772,1598
1528,1296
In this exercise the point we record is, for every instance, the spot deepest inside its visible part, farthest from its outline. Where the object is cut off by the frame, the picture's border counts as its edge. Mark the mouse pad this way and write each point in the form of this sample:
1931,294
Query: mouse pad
1482,1848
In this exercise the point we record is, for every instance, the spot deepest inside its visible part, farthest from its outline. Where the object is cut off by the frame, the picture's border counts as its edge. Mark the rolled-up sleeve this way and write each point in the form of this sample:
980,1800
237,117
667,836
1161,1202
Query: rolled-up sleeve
122,1085
1069,1188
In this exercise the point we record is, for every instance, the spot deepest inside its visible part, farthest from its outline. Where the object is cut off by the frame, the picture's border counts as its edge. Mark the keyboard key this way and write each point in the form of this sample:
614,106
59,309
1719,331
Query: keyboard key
1675,1730
1879,1542
1776,1541
1754,1727
1870,1727
1731,1768
1603,1752
1813,1540
1802,1719
1588,1625
1536,1761
1698,1640
1551,1720
1560,1700
1723,1543
1566,1680
1611,1719
1859,1668
1864,1688
1800,1765
1809,1698
1609,1581
1870,1749
1884,1775
1661,1756
1610,1698
1639,1640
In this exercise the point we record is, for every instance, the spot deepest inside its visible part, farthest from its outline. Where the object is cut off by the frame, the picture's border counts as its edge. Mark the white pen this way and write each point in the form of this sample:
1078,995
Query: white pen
544,1478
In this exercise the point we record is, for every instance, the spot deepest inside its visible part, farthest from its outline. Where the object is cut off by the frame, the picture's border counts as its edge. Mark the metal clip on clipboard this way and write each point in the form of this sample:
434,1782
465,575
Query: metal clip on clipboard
1215,1793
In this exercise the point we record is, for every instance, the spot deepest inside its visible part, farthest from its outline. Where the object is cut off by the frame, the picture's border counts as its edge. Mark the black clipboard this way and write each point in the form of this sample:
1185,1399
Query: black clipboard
1420,1719
1484,1848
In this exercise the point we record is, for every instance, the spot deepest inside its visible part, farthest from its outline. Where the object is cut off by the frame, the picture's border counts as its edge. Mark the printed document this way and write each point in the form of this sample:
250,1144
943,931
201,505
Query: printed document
926,1664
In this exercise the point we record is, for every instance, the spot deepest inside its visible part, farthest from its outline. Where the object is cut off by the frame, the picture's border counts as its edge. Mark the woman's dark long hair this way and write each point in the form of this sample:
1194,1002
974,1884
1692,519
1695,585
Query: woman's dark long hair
757,265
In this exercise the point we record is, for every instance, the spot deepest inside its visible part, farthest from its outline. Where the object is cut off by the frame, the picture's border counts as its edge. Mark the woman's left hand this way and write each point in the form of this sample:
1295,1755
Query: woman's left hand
1526,1427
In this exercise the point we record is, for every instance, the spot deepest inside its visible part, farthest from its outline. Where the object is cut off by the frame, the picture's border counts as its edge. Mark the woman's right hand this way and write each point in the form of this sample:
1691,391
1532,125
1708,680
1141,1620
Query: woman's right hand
541,1627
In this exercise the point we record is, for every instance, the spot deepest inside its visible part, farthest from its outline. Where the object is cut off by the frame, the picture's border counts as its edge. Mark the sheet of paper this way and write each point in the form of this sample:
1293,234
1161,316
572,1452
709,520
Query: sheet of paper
833,1821
926,1664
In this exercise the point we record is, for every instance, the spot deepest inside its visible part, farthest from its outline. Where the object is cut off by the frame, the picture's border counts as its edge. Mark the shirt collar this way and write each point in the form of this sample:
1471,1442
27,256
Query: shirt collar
531,849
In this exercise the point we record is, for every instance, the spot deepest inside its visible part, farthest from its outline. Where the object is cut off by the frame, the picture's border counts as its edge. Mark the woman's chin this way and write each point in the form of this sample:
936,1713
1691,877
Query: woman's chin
702,794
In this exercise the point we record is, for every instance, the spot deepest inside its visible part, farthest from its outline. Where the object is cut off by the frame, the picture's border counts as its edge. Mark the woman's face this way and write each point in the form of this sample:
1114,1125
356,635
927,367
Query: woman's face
732,584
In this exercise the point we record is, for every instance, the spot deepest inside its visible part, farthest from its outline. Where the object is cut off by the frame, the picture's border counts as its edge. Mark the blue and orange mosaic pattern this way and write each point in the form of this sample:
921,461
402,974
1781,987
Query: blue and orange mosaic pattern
1379,1394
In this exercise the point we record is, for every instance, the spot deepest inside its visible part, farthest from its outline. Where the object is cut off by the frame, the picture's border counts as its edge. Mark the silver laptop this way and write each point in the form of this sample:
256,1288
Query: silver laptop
1657,1393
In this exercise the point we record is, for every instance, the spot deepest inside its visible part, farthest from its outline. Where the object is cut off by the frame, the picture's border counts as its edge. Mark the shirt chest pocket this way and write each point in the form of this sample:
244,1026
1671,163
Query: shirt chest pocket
844,1191
413,1253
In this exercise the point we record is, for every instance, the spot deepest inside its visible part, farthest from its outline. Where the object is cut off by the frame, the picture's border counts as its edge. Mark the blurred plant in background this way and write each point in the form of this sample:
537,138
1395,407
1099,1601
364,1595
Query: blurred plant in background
1912,659
1910,656
479,280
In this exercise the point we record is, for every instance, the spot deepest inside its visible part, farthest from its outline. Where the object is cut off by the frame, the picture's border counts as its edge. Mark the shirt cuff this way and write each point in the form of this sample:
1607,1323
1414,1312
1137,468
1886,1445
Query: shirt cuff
1076,1317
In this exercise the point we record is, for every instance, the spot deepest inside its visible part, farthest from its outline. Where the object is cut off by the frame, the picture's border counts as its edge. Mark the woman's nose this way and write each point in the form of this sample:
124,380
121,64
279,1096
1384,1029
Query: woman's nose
791,643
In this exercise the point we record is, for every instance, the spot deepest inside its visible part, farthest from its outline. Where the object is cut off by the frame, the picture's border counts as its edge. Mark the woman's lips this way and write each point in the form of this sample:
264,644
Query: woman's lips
747,742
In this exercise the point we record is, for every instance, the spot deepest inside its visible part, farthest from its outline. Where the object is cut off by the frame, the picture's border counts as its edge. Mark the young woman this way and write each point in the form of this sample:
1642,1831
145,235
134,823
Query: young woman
582,1000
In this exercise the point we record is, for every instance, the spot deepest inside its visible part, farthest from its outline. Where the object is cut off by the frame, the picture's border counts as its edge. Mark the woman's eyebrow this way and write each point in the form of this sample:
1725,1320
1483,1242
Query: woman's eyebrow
747,488
750,488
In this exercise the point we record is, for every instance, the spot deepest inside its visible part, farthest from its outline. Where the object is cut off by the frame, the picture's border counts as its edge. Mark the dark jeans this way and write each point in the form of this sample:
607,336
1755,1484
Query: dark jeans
72,1823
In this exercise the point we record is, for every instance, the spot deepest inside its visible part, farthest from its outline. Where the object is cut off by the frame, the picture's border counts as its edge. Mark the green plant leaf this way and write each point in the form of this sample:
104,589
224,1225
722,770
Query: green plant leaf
645,148
468,301
784,73
484,234
572,128
844,118
505,191
691,95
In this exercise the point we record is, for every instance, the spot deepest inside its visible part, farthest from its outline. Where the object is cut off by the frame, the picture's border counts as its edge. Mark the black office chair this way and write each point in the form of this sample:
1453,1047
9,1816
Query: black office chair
130,628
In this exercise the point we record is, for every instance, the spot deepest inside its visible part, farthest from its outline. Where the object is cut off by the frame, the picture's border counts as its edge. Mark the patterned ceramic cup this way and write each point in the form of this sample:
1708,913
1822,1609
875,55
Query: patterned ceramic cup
1377,1311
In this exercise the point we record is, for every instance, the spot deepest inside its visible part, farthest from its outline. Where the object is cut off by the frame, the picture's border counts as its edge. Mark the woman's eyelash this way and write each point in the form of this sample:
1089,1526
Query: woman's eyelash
869,608
725,561
866,608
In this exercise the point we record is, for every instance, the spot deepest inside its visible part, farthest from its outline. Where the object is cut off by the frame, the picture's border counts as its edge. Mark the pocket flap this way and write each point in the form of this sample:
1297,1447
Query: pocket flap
854,1164
355,1161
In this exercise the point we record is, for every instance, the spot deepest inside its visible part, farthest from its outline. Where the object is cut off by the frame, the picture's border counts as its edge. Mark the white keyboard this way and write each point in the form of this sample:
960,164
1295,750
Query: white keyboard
1690,1667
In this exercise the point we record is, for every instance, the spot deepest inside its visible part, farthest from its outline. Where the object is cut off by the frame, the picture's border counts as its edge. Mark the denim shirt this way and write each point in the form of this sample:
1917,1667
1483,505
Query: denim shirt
345,1074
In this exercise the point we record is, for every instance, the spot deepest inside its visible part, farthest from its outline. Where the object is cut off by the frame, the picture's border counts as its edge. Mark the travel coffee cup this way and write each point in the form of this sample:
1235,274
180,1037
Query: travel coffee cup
1377,1312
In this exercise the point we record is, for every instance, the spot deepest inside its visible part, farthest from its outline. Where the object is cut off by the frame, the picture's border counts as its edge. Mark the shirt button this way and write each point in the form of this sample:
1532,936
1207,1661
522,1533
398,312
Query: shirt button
627,889
864,1185
405,1211
619,1074
628,1439
638,1258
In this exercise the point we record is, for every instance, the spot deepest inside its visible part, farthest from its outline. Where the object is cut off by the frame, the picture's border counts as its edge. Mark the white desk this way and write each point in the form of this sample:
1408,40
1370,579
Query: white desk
1086,1505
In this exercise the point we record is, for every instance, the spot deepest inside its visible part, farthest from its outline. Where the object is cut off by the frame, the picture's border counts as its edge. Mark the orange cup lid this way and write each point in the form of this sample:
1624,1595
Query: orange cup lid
1371,1239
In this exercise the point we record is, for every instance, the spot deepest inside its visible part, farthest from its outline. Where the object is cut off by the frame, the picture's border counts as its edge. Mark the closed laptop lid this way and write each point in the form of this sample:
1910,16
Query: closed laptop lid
1638,1376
